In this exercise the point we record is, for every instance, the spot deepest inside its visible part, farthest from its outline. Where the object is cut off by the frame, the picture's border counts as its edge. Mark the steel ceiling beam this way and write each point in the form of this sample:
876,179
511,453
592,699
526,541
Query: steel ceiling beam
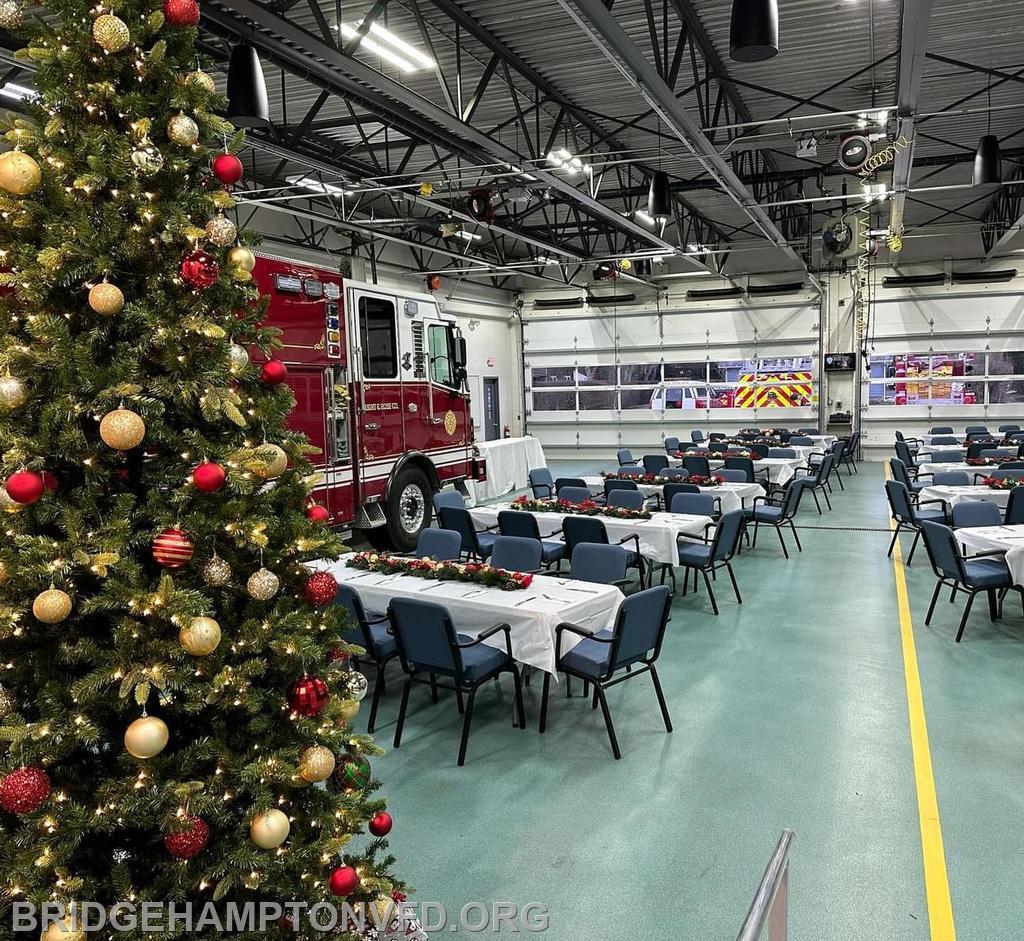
915,20
593,17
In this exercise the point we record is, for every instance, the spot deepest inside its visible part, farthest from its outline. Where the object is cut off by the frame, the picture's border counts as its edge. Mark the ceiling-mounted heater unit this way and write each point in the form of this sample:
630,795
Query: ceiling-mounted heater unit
913,280
984,277
557,303
714,294
611,300
761,290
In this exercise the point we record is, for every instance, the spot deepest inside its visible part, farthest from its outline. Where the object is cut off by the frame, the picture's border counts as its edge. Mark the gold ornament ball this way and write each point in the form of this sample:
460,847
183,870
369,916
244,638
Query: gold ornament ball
111,32
217,572
8,504
238,357
122,429
146,737
7,702
106,299
183,130
200,636
12,392
241,258
269,830
221,231
19,173
348,709
202,79
263,585
273,461
10,14
63,930
51,606
316,764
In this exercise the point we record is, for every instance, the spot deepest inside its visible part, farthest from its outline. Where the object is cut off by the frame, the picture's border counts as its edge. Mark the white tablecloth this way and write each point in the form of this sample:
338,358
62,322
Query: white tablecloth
925,454
509,462
532,613
930,468
988,538
954,495
781,470
926,440
732,496
657,535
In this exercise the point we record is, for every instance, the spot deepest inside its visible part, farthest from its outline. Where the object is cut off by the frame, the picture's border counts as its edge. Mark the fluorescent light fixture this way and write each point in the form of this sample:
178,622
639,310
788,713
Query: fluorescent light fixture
409,61
873,191
316,186
644,217
17,92
421,59
695,248
565,160
469,236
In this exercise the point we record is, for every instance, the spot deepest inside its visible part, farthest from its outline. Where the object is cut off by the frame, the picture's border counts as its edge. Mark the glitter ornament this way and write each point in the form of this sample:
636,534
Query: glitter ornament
308,695
263,585
202,79
51,606
273,461
356,685
227,168
122,429
146,737
181,129
172,548
269,830
217,572
238,357
147,158
273,372
316,764
209,477
320,589
12,393
200,636
344,880
19,173
199,269
111,32
10,14
241,258
8,704
106,299
221,231
190,841
25,487
181,13
353,774
24,790
381,824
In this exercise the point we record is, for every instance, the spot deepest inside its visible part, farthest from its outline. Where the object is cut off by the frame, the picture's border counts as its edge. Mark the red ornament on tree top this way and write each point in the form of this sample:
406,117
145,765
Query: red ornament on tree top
200,269
308,695
172,548
209,477
273,372
317,513
227,168
190,841
181,12
24,790
25,487
344,880
320,589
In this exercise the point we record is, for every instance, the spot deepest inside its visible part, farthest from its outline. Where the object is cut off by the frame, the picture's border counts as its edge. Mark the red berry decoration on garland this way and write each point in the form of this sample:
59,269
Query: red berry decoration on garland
344,880
172,548
308,695
209,477
381,824
274,372
25,487
317,513
228,169
337,655
320,589
182,13
199,269
24,790
189,842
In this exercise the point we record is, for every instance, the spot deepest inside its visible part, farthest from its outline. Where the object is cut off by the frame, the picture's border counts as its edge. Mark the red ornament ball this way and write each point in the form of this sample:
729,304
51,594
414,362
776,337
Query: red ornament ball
24,790
189,842
227,168
209,477
344,880
172,548
199,269
274,372
25,487
337,655
308,695
317,513
381,824
319,589
181,12
49,481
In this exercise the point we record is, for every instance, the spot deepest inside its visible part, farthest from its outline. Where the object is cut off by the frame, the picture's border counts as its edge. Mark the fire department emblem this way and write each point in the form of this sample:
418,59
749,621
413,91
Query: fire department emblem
450,422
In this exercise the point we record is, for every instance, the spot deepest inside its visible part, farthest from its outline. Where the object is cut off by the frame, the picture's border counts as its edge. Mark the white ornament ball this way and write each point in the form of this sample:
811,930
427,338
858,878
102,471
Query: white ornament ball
269,830
263,585
238,357
146,737
12,392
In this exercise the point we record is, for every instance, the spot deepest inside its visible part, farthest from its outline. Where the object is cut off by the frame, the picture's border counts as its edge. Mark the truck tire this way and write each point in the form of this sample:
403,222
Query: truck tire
409,510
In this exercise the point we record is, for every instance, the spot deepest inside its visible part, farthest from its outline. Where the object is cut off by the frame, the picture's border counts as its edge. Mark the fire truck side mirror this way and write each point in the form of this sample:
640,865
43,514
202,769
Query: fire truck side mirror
460,352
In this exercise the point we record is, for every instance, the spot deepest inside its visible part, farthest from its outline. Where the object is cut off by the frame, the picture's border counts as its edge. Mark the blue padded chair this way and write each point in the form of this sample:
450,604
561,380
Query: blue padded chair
974,448
905,454
524,525
373,636
655,463
981,437
802,441
777,512
575,494
746,465
1001,473
1008,428
847,456
600,564
816,478
633,644
697,437
542,484
668,491
951,479
695,504
696,466
947,457
671,445
976,513
448,498
625,456
718,447
758,450
586,530
561,482
626,499
900,473
941,430
442,545
1000,454
944,440
976,430
807,431
986,572
428,643
630,470
909,516
707,558
613,483
1015,508
914,444
782,452
1011,465
732,475
717,436
516,554
476,545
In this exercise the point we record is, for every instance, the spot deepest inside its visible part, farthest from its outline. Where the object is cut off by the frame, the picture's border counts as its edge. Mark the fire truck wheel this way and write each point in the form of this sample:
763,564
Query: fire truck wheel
408,510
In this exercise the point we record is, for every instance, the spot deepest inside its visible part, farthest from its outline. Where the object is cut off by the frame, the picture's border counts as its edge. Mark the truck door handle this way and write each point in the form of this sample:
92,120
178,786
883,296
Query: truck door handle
373,426
436,421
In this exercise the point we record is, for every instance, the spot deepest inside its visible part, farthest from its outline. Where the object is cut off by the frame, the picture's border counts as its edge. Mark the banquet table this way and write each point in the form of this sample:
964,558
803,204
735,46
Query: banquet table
932,468
954,495
731,496
925,454
657,535
781,470
509,462
997,538
532,613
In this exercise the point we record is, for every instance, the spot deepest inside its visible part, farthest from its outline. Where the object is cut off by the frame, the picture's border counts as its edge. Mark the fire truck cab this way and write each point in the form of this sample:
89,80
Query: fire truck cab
379,377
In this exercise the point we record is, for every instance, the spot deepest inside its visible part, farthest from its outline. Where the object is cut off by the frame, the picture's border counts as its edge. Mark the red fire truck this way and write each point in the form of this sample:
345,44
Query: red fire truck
379,382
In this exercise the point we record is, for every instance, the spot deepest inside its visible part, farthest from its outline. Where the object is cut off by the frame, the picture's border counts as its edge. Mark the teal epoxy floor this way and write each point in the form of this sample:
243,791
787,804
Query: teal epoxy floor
788,711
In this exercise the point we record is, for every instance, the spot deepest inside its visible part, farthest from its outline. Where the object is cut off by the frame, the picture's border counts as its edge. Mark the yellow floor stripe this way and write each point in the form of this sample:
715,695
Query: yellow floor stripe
936,879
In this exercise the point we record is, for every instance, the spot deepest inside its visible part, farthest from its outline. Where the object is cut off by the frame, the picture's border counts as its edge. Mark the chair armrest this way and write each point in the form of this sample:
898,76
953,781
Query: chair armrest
718,506
767,500
483,635
621,583
981,555
635,538
980,474
379,620
945,503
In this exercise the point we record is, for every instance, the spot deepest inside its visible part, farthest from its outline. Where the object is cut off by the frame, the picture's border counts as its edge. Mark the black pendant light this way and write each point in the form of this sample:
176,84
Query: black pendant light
754,30
247,89
659,196
987,166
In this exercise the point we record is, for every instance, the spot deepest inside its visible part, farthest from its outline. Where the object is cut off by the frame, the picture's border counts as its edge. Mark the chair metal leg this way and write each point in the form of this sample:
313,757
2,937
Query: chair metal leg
963,620
839,477
544,701
828,502
931,607
608,722
378,688
458,701
433,687
520,709
892,543
732,578
661,699
593,699
401,711
753,544
796,536
466,719
814,493
992,611
913,546
711,591
785,551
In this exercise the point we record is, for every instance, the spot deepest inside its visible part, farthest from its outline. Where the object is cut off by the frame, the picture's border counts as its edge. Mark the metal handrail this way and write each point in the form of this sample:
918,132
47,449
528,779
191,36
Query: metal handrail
770,901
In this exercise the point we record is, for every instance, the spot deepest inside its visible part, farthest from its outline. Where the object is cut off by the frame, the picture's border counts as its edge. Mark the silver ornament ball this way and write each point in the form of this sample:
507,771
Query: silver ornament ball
238,357
356,685
263,585
217,572
221,231
148,158
12,392
10,14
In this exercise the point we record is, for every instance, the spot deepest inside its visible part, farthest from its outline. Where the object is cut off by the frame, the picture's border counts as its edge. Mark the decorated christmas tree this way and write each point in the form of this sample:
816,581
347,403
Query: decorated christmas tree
176,692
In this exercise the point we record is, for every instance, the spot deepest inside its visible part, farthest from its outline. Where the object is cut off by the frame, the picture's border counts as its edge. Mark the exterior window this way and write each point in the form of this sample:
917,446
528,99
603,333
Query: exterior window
637,375
696,372
1006,392
554,401
440,355
587,376
599,399
379,335
541,376
637,399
